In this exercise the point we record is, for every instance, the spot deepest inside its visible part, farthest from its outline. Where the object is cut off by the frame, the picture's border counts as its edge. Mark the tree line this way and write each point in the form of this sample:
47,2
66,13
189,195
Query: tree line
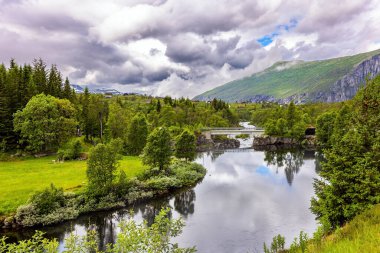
97,118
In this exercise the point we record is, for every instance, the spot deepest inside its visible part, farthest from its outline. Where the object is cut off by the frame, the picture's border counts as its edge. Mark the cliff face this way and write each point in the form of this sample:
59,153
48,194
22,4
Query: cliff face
343,89
347,87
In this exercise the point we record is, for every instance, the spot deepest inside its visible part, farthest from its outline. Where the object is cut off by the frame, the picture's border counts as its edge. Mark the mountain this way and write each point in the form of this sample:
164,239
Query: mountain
329,80
80,89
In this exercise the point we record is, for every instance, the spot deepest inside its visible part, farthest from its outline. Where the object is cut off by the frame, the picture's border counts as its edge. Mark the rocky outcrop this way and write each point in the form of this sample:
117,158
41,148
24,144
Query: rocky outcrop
309,141
272,140
204,144
226,144
347,87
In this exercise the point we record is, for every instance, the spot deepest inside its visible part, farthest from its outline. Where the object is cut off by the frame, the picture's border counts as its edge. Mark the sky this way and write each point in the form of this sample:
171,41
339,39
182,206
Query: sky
181,47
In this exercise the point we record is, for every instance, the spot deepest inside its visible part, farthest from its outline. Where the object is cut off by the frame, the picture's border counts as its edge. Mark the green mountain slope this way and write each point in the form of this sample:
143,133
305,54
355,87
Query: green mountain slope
285,79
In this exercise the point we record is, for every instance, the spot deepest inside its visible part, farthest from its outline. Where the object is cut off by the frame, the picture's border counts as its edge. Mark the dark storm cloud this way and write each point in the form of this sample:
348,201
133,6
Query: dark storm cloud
200,52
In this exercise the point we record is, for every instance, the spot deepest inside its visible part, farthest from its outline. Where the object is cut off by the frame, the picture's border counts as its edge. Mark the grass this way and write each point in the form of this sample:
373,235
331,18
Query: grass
362,234
20,179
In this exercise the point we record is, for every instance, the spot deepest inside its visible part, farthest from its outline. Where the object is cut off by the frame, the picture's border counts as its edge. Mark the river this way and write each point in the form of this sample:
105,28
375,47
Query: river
246,198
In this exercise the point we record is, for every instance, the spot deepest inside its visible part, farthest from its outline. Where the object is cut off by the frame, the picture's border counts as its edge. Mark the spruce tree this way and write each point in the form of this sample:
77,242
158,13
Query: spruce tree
85,113
6,125
54,84
67,92
40,76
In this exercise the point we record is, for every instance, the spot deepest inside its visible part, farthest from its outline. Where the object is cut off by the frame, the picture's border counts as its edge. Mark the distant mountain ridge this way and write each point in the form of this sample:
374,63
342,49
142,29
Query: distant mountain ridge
80,89
331,80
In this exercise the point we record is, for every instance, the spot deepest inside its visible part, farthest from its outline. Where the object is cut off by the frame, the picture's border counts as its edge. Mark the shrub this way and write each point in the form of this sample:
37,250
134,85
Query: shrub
71,152
162,183
242,136
48,200
220,138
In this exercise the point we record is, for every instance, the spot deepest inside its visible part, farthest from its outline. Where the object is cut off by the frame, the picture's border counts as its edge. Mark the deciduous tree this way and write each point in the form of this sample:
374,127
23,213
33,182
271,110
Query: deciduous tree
158,150
45,122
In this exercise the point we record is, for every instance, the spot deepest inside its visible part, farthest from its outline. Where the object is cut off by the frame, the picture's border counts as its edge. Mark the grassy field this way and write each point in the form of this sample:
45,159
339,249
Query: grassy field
19,179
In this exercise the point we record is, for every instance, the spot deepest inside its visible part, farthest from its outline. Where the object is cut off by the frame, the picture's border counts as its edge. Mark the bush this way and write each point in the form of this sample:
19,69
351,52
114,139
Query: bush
188,174
220,137
71,152
242,136
48,200
162,183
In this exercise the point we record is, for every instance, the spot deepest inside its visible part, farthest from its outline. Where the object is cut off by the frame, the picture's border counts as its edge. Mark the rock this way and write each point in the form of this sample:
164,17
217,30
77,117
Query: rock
272,140
227,144
204,144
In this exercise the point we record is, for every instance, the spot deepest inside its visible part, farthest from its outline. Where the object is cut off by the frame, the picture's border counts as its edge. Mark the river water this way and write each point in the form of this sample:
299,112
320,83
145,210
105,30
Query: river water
246,198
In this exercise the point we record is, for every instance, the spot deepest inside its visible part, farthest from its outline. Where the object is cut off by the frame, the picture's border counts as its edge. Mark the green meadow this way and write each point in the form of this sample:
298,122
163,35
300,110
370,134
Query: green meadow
20,179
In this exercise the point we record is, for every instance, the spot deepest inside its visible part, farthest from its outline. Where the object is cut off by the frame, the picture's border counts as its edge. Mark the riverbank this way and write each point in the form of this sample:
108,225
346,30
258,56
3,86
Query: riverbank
140,185
308,141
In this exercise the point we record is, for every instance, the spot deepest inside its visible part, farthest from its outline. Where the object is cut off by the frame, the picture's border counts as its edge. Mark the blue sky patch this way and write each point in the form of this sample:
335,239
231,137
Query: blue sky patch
268,39
263,170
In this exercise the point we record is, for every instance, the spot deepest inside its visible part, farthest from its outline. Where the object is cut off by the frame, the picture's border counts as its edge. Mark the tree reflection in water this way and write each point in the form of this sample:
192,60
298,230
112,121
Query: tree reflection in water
151,210
290,160
184,203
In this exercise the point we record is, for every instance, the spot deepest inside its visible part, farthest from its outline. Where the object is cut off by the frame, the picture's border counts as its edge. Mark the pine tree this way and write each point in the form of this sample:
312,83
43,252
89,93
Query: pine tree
25,81
85,113
67,92
40,76
54,84
158,106
5,114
